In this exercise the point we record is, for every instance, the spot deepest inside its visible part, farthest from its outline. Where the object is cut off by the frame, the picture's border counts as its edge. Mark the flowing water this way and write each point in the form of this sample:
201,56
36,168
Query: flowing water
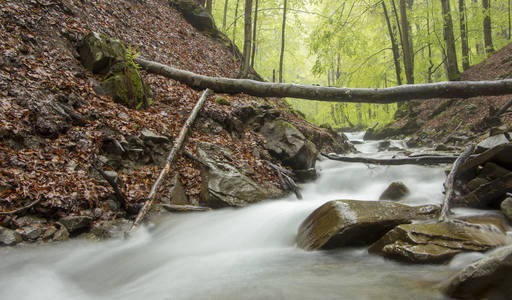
246,253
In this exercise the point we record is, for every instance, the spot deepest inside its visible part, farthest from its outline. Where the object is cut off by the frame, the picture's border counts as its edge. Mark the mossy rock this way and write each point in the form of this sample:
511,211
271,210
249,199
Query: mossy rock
222,101
99,52
126,87
197,16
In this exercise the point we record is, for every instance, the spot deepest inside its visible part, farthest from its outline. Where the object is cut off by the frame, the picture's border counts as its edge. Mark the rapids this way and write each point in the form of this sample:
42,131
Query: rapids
246,253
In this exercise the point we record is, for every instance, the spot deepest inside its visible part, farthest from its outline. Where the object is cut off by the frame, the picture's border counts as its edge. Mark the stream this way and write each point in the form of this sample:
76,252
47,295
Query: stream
246,253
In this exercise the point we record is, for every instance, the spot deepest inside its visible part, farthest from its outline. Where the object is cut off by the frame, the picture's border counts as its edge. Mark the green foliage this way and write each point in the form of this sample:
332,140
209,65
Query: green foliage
130,56
222,101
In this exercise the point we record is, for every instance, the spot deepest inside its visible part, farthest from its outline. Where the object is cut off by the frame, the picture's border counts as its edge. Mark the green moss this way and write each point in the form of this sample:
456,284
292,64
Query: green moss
222,101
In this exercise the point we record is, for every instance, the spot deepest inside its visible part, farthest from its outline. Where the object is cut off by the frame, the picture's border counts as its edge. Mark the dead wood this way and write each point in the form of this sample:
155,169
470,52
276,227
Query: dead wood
178,144
442,90
420,160
285,177
22,209
450,181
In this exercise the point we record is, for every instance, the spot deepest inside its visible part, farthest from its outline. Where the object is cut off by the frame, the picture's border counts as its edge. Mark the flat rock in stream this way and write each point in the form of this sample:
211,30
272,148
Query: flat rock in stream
487,278
354,223
439,242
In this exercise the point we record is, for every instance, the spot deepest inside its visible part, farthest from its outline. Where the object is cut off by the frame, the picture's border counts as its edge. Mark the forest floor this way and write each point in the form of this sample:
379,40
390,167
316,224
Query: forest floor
47,157
439,117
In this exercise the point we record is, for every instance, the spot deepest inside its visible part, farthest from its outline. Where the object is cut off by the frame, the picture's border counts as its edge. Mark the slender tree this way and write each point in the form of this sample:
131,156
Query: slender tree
406,47
451,54
225,16
254,31
509,23
463,35
489,48
234,22
283,30
209,5
394,46
429,47
246,57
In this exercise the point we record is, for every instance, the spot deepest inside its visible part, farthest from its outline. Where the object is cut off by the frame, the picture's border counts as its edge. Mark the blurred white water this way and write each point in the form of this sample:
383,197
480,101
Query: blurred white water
247,253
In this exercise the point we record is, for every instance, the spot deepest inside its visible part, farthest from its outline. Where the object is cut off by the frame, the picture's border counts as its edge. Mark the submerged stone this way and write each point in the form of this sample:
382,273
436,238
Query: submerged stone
354,223
395,191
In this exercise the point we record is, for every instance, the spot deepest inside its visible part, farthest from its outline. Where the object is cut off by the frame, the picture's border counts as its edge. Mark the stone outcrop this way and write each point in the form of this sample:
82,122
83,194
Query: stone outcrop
438,242
288,144
123,82
197,16
353,223
224,185
487,278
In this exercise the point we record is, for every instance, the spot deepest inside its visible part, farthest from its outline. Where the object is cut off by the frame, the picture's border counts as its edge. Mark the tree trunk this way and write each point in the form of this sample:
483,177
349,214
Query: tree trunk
451,54
406,47
255,26
420,160
246,60
442,90
509,23
463,35
209,6
283,30
394,46
178,144
489,48
225,16
234,22
429,48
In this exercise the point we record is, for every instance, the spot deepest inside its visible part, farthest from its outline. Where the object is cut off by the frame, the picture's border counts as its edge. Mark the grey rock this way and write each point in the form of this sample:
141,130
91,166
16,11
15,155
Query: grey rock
9,237
491,142
289,145
487,278
74,223
111,229
30,220
395,191
197,16
506,208
99,52
32,233
438,242
353,223
177,192
384,145
148,135
62,234
184,208
224,185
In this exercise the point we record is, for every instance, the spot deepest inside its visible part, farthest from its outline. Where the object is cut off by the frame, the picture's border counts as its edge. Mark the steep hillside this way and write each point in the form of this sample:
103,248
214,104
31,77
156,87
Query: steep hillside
59,132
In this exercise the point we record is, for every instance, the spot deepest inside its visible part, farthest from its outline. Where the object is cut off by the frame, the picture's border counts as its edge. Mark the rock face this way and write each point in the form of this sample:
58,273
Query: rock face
289,145
9,237
123,82
197,16
488,278
353,223
224,185
395,191
438,242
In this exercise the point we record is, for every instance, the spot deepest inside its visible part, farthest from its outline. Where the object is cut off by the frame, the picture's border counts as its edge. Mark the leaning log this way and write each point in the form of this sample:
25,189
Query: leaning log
420,160
443,90
178,144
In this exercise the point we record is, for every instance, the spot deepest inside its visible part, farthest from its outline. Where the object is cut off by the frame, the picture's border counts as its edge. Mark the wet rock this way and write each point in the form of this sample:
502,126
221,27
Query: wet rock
384,145
486,195
49,232
475,183
224,185
491,142
289,145
438,242
62,234
354,223
184,208
395,191
32,233
74,223
487,278
305,175
29,220
111,229
177,192
9,237
493,171
500,155
506,208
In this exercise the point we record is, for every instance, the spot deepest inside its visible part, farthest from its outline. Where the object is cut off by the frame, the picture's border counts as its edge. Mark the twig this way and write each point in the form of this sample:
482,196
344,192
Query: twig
193,157
119,195
174,151
287,182
16,211
450,181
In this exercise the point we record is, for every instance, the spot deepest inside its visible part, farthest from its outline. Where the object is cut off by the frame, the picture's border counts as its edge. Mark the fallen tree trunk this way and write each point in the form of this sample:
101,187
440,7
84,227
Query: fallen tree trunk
174,151
452,89
449,192
420,160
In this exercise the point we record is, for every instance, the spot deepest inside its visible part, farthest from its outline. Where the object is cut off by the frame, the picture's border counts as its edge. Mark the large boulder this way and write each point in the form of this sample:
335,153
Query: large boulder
102,54
224,185
395,191
438,242
288,144
491,142
353,223
487,278
197,16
